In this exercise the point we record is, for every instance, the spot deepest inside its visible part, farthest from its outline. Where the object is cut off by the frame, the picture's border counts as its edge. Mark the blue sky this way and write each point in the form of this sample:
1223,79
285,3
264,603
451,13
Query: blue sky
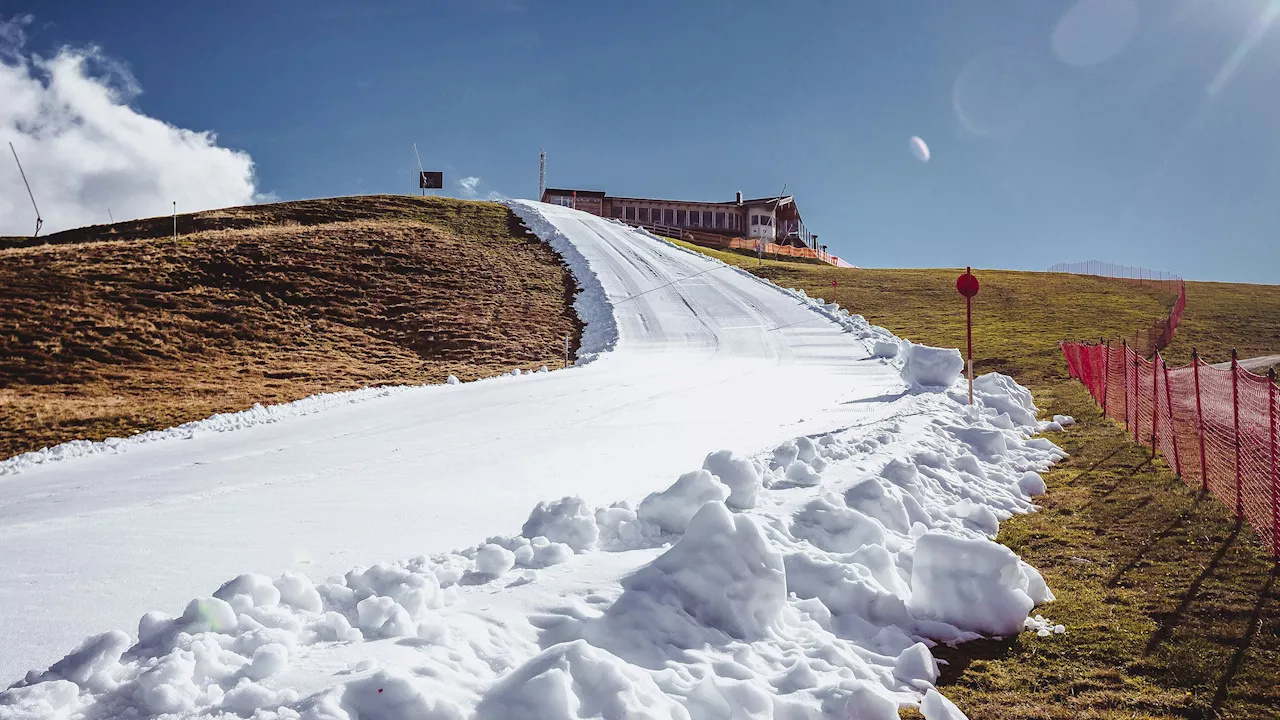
1144,132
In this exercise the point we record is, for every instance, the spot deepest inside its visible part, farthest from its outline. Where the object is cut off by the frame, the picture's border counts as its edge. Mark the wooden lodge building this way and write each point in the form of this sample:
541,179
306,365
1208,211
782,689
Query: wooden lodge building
774,219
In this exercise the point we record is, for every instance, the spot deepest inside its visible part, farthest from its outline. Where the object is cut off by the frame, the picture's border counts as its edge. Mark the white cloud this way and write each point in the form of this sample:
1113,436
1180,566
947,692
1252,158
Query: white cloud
469,185
85,150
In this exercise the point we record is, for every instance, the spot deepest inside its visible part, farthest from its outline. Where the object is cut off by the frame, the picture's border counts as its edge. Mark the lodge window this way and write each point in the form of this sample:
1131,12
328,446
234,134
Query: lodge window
644,214
755,220
631,212
720,220
693,218
670,216
706,218
681,218
617,211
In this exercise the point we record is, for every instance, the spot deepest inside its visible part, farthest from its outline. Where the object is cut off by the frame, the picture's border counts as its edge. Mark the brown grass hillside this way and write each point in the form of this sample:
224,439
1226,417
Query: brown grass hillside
1172,608
109,330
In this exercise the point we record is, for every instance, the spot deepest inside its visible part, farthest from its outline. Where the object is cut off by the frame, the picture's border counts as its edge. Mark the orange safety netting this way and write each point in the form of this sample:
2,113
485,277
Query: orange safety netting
1215,427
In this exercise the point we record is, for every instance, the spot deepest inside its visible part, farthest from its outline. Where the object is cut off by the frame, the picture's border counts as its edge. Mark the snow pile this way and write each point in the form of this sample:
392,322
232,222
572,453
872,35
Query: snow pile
577,680
738,473
673,508
568,521
819,596
721,573
973,584
930,368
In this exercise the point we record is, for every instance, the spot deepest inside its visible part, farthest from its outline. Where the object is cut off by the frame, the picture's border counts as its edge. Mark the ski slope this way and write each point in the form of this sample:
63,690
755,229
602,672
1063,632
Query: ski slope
803,572
719,359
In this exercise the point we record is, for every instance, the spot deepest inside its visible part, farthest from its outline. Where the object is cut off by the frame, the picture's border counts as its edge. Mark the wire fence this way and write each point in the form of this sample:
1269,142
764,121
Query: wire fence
1141,275
1156,337
1216,427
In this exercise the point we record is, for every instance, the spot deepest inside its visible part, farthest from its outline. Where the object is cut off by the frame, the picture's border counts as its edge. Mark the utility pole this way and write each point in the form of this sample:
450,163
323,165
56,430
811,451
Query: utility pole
175,220
542,174
23,173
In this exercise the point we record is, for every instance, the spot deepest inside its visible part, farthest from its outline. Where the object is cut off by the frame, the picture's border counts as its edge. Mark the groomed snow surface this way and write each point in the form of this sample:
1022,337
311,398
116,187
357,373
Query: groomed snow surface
836,523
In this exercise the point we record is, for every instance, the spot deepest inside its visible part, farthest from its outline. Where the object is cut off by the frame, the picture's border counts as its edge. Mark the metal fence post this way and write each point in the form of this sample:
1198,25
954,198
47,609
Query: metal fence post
1275,477
1106,375
1155,401
1195,371
1173,427
1235,411
1124,365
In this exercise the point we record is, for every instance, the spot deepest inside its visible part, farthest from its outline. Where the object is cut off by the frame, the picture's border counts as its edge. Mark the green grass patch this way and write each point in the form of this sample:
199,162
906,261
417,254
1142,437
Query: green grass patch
1170,605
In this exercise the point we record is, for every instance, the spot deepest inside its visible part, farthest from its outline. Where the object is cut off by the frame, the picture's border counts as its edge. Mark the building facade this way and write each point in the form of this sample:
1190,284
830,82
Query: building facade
774,219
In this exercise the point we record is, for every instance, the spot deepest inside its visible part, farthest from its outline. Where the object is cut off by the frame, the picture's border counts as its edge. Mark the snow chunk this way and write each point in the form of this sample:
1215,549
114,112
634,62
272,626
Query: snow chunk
1064,420
784,455
552,554
267,661
55,699
383,617
739,474
673,508
567,521
249,591
799,473
576,680
89,665
916,666
248,696
930,368
721,572
986,443
494,560
834,528
298,592
1032,484
1003,394
936,707
885,348
453,380
973,584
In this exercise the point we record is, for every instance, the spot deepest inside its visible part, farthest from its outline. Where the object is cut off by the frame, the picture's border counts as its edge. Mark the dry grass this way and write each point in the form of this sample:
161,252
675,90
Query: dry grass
1221,316
1172,609
114,330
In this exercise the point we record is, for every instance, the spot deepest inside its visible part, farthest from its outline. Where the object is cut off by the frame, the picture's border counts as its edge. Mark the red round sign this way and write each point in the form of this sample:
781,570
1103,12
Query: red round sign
967,284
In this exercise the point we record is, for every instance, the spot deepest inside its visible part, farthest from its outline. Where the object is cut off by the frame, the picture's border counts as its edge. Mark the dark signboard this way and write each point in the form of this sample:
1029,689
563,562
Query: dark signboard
431,180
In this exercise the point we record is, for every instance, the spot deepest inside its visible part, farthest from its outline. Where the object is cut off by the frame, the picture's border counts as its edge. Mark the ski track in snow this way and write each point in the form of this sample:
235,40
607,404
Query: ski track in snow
807,580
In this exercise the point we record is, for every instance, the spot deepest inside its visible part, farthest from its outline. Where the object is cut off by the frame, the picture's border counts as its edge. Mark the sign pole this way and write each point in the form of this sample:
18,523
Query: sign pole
968,319
967,285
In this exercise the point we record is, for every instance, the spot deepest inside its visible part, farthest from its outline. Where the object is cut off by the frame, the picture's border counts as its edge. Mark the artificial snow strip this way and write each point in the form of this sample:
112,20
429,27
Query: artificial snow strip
807,581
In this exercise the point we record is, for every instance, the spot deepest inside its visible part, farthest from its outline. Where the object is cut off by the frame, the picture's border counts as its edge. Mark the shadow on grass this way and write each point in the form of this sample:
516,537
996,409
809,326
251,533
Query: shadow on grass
1246,641
960,657
1178,523
1171,620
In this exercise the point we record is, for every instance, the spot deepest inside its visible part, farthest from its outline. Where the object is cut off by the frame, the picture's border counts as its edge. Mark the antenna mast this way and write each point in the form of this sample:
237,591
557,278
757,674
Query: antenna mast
542,174
39,220
420,168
